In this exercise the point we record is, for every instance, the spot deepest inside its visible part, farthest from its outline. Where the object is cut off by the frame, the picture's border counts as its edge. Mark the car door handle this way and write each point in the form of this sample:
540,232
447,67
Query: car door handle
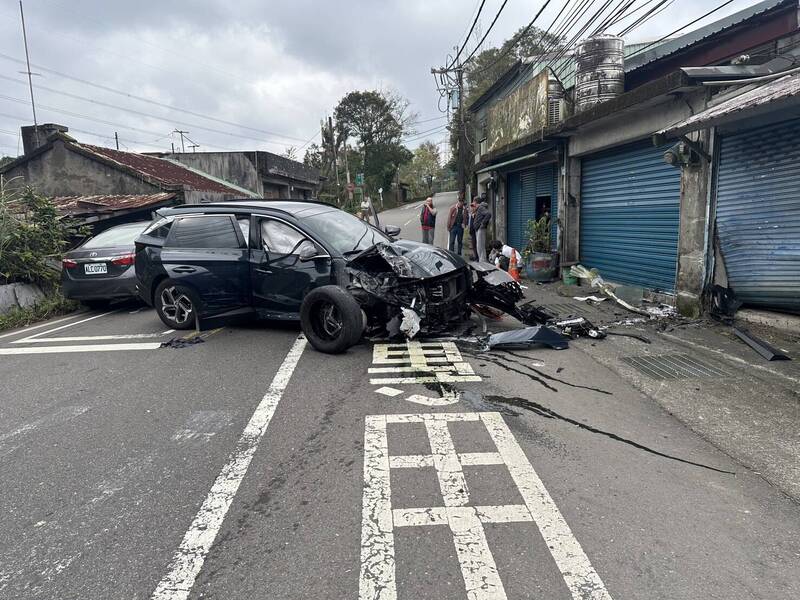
184,270
265,271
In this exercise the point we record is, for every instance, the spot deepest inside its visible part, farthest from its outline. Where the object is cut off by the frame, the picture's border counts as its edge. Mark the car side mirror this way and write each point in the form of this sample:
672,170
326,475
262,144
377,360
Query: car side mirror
308,251
391,230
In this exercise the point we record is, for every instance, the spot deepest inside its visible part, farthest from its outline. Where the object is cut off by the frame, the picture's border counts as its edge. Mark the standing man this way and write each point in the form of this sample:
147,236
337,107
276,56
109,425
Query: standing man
457,220
473,207
482,218
427,218
365,208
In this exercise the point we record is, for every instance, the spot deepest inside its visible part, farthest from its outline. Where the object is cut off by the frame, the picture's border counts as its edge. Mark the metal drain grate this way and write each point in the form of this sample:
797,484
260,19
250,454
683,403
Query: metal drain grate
566,310
673,366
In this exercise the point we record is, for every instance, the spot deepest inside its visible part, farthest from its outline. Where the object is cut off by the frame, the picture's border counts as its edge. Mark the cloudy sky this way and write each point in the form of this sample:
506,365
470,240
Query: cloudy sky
247,74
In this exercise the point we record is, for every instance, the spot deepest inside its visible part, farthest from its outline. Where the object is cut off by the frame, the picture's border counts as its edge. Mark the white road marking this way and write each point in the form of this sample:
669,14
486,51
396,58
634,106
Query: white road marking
191,554
481,578
446,399
579,574
33,328
87,348
36,335
96,338
409,221
388,391
420,362
202,425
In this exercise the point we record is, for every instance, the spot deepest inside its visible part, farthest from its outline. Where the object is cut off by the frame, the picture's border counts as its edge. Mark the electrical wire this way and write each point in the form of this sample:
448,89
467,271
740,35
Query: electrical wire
471,29
488,31
143,99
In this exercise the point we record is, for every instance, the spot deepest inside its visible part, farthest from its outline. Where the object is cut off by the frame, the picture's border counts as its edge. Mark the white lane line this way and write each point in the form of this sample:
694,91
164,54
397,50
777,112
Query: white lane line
409,221
191,554
86,348
477,563
377,576
33,328
36,335
448,468
95,338
582,580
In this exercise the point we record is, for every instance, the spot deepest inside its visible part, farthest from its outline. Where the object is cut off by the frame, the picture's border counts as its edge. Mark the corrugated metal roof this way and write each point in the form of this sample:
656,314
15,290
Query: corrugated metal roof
87,205
781,89
673,45
164,171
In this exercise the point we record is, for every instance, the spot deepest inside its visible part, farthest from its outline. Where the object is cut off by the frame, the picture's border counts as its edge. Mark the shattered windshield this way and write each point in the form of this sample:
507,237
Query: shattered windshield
346,233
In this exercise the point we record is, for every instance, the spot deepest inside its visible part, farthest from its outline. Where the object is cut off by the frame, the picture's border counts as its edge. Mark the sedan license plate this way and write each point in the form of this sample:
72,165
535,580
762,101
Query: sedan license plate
95,269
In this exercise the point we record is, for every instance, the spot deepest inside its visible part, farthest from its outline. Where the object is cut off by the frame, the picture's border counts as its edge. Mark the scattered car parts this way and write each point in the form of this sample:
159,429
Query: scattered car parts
759,345
529,336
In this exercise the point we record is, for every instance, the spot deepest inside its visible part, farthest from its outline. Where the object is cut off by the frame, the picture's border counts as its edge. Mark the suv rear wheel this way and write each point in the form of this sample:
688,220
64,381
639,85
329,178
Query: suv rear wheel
331,319
175,305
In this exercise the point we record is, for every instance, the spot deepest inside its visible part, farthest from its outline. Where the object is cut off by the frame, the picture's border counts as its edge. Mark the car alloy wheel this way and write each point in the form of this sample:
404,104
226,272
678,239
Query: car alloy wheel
176,305
329,321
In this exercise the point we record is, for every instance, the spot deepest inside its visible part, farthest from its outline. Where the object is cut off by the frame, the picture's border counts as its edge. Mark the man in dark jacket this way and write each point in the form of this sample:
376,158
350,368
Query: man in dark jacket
457,221
473,207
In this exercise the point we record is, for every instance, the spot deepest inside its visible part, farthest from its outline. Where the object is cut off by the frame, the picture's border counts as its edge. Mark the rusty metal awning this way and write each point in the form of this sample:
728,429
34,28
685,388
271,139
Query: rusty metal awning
773,96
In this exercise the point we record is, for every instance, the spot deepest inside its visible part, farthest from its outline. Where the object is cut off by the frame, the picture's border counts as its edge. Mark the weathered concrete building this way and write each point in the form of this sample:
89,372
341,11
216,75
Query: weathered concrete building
646,214
106,185
263,173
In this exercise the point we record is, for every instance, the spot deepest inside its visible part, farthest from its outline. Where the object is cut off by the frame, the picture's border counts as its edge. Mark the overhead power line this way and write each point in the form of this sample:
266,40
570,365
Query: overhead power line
469,34
488,31
147,100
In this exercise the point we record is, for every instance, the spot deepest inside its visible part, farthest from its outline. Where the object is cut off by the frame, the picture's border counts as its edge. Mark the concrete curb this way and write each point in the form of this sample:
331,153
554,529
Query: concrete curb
786,322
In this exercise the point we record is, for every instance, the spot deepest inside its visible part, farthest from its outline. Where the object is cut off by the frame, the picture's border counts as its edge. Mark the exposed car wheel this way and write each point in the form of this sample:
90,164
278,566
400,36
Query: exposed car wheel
175,305
331,319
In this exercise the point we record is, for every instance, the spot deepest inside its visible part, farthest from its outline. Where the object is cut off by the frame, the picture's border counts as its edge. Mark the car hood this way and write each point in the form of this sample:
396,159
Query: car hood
407,259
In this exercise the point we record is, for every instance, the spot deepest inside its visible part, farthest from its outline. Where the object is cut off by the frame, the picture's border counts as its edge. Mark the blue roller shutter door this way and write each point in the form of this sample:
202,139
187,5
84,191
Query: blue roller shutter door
630,216
523,188
758,214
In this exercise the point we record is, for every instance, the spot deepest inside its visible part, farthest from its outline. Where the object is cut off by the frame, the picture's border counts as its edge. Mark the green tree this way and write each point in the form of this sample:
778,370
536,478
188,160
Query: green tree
423,170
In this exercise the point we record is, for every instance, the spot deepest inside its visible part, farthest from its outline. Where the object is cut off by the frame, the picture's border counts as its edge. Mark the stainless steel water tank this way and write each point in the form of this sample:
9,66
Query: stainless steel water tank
600,70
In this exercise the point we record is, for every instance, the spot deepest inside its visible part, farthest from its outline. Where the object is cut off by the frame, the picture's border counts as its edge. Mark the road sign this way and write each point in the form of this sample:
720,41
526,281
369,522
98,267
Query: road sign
359,179
351,186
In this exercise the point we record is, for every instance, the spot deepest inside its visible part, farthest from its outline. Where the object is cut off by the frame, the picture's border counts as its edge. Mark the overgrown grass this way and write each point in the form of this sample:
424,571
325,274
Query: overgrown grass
50,306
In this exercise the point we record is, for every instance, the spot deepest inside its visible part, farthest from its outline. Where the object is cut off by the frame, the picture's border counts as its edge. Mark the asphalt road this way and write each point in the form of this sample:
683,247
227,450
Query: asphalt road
251,466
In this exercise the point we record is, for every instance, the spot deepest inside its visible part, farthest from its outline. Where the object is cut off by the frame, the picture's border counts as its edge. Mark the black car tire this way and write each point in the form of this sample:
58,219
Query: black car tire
331,319
181,312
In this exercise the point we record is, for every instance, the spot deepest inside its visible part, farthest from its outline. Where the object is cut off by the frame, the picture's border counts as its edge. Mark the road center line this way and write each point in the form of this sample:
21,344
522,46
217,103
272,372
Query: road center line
86,348
191,554
36,335
48,324
96,338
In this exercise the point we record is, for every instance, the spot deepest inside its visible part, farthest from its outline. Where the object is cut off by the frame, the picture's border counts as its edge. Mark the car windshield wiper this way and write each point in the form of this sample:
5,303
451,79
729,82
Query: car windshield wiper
355,248
358,252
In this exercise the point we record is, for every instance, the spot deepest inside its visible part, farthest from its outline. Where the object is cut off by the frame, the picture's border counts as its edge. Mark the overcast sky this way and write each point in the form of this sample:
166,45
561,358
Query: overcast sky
271,68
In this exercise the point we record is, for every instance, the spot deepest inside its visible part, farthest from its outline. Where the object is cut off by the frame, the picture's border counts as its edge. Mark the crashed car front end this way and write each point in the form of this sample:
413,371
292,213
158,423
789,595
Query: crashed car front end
406,287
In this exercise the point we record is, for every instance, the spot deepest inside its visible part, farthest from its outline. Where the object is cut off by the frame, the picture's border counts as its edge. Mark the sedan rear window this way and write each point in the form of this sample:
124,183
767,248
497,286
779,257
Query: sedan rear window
122,235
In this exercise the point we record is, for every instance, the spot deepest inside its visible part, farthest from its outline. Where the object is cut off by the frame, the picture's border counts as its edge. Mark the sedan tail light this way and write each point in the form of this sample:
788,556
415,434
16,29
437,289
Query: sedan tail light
125,260
68,263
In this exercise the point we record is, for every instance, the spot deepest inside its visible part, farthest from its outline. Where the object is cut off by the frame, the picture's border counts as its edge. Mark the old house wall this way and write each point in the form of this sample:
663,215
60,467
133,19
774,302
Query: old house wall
236,167
60,172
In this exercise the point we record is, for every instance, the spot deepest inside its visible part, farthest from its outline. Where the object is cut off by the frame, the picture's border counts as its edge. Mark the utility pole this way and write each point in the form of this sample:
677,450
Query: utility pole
335,159
458,120
173,147
30,75
194,147
182,133
116,139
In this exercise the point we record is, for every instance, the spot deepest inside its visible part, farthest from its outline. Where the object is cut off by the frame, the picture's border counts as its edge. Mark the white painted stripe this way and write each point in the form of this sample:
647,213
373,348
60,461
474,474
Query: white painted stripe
480,458
477,563
93,338
387,391
439,378
87,348
35,327
191,554
508,513
582,580
448,469
417,418
377,574
411,461
36,335
419,517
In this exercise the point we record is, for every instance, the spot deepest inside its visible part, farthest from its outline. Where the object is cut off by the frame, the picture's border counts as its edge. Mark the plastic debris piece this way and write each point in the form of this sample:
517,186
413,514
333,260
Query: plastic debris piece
529,336
759,345
180,342
409,326
589,298
594,279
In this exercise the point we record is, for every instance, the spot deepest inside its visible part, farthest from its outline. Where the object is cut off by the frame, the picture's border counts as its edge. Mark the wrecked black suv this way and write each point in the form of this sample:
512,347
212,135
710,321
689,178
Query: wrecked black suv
288,260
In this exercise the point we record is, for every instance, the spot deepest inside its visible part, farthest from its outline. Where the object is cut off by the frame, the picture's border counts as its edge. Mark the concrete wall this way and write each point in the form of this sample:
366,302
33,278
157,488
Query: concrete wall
236,167
59,172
